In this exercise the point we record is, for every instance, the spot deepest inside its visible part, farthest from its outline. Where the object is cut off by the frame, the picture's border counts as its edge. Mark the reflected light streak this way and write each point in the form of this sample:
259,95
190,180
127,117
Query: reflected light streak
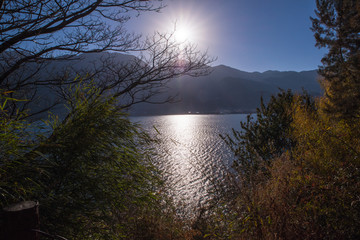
183,126
184,157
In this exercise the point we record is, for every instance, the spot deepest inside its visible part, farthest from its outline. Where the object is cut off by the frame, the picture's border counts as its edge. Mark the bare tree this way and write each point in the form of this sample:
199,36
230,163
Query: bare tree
35,33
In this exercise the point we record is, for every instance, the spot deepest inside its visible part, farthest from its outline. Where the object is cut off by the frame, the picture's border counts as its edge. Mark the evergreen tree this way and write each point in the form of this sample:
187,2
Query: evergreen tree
337,27
265,137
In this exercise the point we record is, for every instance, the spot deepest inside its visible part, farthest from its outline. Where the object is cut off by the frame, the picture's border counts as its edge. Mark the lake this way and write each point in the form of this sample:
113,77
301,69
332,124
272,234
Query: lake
191,152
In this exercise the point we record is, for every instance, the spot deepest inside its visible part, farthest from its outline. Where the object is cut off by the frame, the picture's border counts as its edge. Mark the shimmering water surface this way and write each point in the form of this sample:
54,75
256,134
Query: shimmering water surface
191,151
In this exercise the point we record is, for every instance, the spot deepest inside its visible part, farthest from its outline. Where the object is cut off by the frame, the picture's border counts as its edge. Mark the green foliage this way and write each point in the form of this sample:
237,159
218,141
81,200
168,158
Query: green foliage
236,211
266,136
310,191
337,27
97,172
92,173
15,140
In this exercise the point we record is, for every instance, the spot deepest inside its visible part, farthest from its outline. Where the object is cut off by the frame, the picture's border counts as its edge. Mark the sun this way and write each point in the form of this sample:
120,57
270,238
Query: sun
184,33
187,24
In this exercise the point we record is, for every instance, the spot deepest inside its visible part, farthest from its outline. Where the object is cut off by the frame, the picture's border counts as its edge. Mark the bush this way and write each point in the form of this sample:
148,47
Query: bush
266,136
260,140
15,141
92,173
310,191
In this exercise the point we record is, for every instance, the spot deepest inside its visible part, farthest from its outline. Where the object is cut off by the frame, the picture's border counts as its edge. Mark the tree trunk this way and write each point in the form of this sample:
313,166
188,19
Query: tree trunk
20,219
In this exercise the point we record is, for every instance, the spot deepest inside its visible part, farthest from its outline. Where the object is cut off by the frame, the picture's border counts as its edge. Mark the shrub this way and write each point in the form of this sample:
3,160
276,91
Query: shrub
91,171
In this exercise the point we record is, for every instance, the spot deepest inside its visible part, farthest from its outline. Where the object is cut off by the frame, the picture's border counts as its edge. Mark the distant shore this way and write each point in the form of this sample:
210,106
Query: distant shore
193,113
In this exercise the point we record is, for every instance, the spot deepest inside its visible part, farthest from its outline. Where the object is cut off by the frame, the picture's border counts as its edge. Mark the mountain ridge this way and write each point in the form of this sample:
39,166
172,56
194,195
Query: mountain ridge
224,90
229,90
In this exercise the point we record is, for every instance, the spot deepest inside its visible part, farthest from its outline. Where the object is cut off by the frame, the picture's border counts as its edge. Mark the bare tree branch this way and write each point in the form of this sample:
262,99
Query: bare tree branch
36,34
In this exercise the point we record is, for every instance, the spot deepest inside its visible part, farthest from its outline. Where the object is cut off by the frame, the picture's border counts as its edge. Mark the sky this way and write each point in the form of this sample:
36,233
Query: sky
250,35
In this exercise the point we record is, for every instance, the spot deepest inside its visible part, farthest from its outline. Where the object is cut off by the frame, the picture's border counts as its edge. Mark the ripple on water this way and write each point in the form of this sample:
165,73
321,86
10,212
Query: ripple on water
191,151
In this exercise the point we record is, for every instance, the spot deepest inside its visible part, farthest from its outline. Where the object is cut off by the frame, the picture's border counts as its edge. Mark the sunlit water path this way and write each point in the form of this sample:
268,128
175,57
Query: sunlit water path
191,152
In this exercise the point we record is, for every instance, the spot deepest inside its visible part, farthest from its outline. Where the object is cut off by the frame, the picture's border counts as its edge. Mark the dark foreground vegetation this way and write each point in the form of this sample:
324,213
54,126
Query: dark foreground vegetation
296,174
89,174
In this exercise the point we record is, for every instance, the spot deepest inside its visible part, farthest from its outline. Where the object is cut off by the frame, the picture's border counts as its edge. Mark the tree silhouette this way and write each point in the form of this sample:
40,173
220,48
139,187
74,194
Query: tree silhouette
34,33
337,27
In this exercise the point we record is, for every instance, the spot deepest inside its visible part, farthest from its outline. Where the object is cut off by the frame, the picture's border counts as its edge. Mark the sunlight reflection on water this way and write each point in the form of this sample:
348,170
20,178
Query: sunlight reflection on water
192,151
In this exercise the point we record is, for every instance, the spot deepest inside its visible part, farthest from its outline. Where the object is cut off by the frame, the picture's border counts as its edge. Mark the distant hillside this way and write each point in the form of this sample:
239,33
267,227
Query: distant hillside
224,90
228,90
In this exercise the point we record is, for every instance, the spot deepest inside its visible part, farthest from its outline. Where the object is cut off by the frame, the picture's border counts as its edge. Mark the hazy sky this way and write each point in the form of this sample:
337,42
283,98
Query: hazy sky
250,35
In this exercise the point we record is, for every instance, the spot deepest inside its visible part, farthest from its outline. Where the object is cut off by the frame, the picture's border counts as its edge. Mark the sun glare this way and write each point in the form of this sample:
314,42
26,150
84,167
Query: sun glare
187,24
183,33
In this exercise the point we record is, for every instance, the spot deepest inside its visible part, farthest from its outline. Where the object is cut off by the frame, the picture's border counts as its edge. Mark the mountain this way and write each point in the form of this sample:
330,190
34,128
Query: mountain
228,90
224,90
62,69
